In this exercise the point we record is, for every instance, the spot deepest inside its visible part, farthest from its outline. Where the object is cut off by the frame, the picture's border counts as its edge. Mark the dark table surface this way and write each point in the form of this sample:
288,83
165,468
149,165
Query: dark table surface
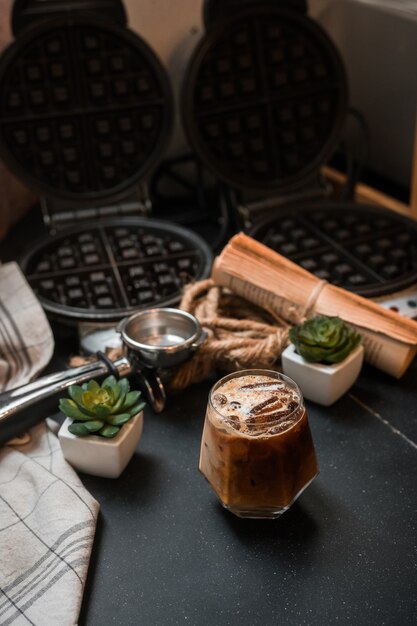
166,553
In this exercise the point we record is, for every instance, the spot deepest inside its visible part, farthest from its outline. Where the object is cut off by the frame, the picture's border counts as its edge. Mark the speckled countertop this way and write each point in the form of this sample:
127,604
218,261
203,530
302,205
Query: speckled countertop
166,553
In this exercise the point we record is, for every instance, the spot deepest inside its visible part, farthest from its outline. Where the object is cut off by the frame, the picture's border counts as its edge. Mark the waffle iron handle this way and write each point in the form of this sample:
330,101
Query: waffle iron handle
28,12
25,406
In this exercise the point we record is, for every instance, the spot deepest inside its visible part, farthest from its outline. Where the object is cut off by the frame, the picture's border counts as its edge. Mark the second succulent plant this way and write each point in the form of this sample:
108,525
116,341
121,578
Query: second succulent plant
324,339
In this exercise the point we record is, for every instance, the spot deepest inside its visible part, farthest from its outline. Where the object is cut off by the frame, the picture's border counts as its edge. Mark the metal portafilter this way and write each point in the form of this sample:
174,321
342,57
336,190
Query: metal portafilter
153,339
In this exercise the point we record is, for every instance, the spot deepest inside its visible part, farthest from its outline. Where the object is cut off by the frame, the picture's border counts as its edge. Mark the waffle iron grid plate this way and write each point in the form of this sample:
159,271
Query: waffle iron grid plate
105,272
264,99
85,110
368,250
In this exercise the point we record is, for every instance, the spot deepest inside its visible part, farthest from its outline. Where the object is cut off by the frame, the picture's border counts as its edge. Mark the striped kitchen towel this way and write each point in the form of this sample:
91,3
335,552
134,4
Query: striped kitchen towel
47,517
26,340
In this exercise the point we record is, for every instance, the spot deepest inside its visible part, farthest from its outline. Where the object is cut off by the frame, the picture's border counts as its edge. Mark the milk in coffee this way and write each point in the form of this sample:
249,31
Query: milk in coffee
257,451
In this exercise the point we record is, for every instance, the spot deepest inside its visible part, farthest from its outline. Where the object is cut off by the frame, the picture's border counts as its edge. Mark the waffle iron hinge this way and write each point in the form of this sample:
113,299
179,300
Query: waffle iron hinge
58,215
251,209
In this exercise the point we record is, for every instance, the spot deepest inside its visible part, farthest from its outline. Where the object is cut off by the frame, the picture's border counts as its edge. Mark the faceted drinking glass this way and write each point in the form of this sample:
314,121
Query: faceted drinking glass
257,451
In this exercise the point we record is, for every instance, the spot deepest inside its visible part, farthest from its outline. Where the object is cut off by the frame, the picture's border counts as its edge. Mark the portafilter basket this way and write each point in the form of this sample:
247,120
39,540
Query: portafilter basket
161,338
153,339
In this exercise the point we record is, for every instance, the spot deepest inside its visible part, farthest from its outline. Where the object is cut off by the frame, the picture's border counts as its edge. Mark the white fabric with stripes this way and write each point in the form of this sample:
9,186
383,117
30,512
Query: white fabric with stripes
47,517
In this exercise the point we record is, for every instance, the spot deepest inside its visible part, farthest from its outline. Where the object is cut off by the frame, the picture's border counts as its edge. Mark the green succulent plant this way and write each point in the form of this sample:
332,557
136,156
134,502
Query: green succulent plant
324,339
100,409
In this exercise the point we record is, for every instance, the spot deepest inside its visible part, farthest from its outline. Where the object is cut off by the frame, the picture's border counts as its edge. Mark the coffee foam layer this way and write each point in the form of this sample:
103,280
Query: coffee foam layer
254,403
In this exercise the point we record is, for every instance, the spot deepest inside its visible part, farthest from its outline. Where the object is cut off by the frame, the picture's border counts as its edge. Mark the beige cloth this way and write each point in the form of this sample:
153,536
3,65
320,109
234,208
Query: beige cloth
47,517
26,340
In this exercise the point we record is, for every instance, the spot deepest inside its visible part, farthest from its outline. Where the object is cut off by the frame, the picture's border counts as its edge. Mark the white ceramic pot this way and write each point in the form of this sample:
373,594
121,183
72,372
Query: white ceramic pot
323,384
100,456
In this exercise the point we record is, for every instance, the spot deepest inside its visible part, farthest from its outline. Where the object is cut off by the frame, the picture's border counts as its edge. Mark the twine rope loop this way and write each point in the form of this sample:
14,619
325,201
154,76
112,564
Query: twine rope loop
240,334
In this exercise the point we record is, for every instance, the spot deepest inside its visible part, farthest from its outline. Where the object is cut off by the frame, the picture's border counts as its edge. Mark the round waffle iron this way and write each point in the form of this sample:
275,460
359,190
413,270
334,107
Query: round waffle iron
263,103
85,113
264,98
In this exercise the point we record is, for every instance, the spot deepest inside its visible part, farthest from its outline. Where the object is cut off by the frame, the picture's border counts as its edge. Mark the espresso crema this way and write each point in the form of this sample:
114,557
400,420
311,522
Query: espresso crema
257,405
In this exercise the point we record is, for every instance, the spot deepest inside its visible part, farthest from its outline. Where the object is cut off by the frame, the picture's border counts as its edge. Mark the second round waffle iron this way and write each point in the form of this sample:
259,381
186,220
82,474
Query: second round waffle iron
263,104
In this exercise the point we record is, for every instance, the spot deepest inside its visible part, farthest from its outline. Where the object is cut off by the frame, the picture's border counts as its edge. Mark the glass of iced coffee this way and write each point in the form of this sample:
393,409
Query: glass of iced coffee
257,452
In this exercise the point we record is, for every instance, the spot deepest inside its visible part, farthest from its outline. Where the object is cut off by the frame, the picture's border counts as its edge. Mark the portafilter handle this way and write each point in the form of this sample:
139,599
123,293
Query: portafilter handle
25,406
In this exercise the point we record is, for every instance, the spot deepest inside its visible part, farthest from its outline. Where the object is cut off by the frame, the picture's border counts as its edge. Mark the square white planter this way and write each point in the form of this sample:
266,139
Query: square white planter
323,384
100,456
